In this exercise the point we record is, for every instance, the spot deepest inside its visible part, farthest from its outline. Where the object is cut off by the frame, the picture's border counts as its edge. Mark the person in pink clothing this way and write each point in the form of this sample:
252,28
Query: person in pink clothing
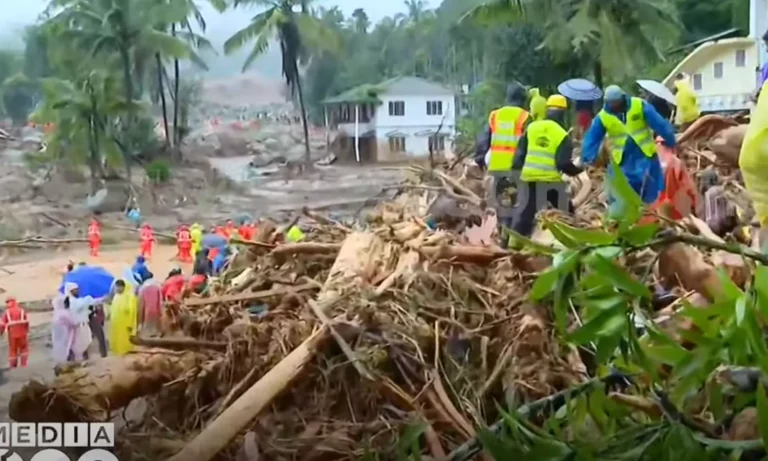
150,306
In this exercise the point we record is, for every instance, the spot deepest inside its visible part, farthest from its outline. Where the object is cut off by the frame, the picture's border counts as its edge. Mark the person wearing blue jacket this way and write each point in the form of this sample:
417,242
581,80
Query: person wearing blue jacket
630,124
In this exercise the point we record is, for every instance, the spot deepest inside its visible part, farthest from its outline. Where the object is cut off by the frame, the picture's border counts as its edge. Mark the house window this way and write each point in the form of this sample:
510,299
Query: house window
397,143
397,108
741,58
718,70
434,107
697,82
437,143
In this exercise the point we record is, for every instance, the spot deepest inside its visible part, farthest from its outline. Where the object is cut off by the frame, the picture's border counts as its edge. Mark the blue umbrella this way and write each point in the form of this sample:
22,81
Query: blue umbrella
214,241
92,281
580,89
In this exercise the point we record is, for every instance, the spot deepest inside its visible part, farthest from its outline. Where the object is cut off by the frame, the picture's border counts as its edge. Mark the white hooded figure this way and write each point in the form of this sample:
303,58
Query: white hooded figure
79,309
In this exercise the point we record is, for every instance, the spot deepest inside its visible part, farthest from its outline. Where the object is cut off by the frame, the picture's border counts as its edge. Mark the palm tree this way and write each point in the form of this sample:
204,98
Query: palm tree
120,27
84,116
290,22
605,32
360,22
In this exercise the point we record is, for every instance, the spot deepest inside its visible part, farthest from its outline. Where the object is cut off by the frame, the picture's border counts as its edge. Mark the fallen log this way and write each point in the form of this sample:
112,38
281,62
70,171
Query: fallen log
179,343
90,392
29,242
290,249
251,296
221,431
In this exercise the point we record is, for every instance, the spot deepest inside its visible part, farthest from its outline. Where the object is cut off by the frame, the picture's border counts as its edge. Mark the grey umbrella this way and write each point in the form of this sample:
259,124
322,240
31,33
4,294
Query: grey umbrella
580,89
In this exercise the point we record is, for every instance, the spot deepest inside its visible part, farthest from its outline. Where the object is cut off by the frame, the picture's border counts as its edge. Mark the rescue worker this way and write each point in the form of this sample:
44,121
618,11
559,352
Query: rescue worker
246,231
505,126
753,162
196,235
687,103
230,230
221,232
94,237
538,106
16,323
544,154
174,284
184,244
629,124
147,241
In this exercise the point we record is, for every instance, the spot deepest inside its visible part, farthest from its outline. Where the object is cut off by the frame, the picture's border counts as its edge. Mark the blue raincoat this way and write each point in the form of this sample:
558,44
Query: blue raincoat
645,174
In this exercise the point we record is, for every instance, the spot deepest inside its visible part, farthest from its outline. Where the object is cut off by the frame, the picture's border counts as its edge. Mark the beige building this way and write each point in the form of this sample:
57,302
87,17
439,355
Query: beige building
725,71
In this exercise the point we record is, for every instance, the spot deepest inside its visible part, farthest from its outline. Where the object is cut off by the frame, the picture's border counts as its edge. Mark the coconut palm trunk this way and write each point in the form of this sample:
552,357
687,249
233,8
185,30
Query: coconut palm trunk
307,150
163,102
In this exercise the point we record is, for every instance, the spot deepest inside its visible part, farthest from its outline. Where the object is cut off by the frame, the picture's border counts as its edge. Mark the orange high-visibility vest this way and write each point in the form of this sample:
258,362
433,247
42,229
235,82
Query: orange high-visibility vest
506,126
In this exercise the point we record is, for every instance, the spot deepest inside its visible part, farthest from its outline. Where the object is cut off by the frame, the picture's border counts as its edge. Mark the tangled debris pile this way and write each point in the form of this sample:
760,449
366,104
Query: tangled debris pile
334,347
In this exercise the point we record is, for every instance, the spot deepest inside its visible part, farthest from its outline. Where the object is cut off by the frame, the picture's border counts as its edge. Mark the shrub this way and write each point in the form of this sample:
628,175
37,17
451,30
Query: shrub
158,171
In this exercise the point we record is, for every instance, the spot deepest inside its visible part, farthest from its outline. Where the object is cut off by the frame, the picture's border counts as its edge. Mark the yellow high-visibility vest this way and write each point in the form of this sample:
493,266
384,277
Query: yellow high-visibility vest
506,128
544,137
636,127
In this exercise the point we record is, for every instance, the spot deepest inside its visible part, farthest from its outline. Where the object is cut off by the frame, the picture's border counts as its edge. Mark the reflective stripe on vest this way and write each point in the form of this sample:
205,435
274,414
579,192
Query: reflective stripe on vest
636,127
506,129
9,322
544,137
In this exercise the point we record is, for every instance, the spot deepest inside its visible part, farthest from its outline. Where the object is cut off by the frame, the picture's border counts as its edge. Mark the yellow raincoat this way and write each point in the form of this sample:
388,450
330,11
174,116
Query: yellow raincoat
687,103
196,234
753,159
122,321
538,104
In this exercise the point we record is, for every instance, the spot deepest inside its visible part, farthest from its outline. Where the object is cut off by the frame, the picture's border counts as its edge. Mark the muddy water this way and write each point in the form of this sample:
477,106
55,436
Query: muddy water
340,189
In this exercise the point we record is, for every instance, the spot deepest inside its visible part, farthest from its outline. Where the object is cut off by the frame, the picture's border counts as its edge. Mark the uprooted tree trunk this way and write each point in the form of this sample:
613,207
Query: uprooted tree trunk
90,392
356,256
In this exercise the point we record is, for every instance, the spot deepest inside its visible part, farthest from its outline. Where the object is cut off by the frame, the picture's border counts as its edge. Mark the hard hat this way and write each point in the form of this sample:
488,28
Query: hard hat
557,101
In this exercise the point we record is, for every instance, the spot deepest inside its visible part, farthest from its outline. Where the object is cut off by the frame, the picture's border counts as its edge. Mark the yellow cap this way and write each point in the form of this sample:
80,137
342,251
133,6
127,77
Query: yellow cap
558,101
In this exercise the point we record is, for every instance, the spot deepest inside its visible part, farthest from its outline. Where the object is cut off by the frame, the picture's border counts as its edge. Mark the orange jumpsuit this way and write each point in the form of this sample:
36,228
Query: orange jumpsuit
94,237
147,241
245,232
16,322
230,230
184,244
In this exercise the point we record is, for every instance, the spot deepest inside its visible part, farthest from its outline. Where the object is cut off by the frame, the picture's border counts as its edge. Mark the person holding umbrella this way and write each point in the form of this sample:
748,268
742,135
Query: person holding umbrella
585,94
629,124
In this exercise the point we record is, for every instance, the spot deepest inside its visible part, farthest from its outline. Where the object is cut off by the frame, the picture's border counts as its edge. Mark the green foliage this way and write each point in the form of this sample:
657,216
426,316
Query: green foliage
18,97
585,282
158,171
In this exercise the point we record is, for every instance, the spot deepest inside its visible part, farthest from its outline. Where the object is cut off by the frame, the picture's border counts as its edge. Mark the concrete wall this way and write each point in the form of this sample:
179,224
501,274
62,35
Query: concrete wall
413,124
732,90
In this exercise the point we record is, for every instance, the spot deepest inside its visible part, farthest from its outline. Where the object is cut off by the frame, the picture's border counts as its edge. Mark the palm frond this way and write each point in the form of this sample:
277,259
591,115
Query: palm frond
261,24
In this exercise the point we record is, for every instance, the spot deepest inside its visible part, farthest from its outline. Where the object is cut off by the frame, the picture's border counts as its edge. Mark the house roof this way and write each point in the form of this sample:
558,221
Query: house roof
706,51
400,86
720,35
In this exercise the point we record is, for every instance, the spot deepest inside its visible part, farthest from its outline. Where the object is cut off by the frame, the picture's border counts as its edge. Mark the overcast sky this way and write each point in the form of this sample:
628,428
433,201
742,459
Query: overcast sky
18,13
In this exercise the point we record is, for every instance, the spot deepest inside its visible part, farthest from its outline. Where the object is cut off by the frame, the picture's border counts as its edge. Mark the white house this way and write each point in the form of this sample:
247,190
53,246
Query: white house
725,71
399,118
